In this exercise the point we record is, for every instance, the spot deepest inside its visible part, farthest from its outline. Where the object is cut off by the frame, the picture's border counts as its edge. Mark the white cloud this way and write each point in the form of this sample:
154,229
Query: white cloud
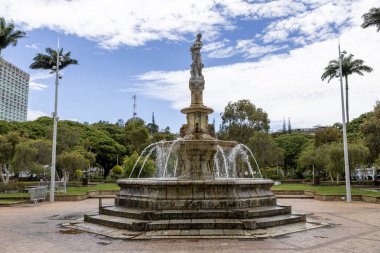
322,20
118,22
35,46
34,83
283,85
247,48
35,114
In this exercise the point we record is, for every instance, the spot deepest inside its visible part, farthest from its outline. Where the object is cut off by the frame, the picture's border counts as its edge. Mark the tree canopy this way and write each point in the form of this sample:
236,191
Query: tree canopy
241,119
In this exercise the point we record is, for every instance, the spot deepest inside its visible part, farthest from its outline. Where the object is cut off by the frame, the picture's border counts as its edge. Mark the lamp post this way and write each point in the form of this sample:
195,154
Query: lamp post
55,70
345,146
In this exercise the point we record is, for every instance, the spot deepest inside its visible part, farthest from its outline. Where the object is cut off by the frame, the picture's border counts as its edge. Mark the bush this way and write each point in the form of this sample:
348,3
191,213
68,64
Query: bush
78,173
117,169
129,162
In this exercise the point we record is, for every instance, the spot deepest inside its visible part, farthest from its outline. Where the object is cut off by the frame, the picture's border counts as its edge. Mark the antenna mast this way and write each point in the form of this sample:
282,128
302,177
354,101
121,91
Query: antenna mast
134,106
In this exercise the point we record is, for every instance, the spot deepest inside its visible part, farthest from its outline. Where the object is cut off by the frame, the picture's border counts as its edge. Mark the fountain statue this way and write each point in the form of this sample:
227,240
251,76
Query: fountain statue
201,182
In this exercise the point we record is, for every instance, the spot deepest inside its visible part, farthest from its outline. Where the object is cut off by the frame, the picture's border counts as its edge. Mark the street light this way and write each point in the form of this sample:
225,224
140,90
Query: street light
58,76
345,146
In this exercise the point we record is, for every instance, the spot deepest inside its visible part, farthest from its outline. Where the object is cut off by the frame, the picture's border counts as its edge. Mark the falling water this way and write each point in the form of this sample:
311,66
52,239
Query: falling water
258,168
146,159
142,153
175,168
228,159
167,158
224,159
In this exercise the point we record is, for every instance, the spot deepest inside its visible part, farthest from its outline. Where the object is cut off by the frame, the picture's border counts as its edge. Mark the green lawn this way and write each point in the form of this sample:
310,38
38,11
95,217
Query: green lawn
81,190
14,195
10,201
325,190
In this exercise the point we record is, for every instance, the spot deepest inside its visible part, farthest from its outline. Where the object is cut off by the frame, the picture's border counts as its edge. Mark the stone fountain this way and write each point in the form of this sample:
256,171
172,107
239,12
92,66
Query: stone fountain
196,198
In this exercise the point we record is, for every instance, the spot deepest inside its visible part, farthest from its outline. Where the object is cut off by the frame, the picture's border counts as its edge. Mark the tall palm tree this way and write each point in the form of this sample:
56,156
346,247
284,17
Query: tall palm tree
349,66
372,18
8,34
49,60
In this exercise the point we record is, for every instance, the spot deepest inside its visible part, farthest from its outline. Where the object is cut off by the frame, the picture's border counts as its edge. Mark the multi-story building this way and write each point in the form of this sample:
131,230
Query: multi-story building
14,90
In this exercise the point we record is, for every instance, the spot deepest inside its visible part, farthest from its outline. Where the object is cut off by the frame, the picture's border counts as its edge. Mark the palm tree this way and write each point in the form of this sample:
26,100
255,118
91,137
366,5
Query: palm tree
349,66
8,34
372,18
49,60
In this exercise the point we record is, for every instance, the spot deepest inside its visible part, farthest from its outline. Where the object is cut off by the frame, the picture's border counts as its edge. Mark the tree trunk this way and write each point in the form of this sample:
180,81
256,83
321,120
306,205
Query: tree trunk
1,174
347,110
8,174
331,178
3,169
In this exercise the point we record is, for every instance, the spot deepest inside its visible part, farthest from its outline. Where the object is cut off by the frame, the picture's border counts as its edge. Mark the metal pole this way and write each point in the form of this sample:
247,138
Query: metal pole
55,119
345,146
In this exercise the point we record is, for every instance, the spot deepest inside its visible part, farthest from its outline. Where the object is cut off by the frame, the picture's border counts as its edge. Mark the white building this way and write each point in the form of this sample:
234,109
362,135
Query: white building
14,90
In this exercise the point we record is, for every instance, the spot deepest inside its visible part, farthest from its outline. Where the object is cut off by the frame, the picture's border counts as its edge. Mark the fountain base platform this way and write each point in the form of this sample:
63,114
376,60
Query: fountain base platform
167,204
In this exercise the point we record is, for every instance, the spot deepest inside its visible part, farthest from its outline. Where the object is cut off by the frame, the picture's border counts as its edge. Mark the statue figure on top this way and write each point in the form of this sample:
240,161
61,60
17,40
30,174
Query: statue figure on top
197,65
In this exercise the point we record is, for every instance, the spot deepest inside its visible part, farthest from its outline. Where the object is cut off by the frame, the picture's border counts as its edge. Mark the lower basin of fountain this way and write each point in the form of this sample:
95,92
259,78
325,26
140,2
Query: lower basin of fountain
161,194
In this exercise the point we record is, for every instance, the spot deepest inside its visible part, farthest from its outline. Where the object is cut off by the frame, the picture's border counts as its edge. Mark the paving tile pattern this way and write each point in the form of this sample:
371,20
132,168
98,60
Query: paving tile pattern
353,228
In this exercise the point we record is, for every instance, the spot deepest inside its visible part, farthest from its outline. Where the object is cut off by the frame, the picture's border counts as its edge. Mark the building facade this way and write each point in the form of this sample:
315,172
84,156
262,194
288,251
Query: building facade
14,91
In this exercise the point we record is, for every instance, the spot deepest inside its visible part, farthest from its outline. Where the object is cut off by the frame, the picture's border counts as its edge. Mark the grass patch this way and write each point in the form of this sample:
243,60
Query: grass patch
10,201
325,190
82,190
72,190
14,195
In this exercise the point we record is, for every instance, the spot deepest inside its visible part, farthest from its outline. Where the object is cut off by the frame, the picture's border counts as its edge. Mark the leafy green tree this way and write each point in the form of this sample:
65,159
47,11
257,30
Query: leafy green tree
32,156
312,157
68,136
265,150
115,131
8,34
49,60
159,136
334,158
136,135
4,127
8,145
372,18
349,66
371,131
68,162
354,127
292,144
129,162
106,151
327,135
241,119
152,127
377,162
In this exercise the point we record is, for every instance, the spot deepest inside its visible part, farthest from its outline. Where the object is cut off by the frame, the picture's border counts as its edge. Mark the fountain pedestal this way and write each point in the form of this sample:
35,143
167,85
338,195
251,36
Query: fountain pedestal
196,198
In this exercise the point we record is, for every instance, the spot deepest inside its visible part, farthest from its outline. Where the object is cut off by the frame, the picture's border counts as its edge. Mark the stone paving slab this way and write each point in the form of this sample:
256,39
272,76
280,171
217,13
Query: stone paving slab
353,228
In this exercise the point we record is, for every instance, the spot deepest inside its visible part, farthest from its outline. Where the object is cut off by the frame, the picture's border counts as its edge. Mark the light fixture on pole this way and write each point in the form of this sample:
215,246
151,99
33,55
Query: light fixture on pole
58,76
345,146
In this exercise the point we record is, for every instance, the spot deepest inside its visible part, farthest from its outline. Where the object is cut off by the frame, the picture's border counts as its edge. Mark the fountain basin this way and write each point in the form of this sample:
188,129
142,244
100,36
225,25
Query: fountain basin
162,194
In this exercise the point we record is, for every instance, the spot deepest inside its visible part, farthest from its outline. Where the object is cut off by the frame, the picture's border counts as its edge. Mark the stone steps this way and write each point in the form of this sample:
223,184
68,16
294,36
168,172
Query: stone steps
142,214
205,223
279,220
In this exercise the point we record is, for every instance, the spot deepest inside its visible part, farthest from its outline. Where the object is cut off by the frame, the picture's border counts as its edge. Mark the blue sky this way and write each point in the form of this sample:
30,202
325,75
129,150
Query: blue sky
270,52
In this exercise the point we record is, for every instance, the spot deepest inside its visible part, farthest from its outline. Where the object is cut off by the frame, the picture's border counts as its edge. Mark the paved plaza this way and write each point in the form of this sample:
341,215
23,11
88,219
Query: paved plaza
353,227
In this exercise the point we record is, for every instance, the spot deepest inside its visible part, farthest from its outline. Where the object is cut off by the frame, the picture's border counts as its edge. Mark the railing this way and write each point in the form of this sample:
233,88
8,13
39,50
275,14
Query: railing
38,193
59,186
